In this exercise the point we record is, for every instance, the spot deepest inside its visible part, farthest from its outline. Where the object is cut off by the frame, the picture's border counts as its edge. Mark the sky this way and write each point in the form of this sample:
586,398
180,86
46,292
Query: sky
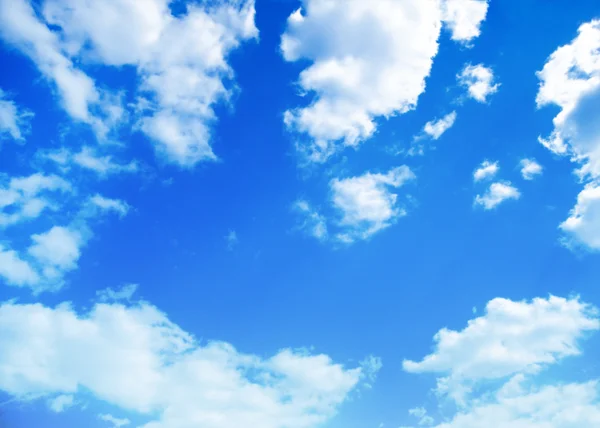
299,213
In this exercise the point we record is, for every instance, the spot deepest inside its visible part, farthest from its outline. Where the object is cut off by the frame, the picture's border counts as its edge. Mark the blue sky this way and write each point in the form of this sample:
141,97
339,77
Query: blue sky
298,214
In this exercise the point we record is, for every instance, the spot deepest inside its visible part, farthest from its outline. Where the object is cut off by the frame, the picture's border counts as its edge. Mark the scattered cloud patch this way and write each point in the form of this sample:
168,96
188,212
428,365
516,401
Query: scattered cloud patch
232,240
312,222
487,170
464,18
436,128
61,403
370,368
367,203
115,422
126,292
479,81
497,193
133,357
88,158
14,121
530,169
421,414
25,198
106,204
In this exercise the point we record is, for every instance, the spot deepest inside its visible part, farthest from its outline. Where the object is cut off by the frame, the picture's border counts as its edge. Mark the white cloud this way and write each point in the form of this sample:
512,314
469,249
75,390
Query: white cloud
570,79
486,171
115,422
511,338
20,27
109,295
15,270
61,403
369,60
497,193
89,159
14,121
421,414
479,81
313,223
367,203
106,204
583,224
464,18
436,128
181,60
25,198
370,367
135,358
232,239
492,368
58,248
530,169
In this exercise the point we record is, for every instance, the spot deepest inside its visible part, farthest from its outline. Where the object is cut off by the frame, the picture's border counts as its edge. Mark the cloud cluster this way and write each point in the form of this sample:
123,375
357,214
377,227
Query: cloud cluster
479,81
180,79
134,358
570,79
489,368
367,60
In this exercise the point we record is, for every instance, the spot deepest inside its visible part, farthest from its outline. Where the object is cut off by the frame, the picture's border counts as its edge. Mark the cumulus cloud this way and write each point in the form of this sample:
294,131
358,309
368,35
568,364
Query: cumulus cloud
486,170
464,18
134,358
570,79
14,121
232,239
368,60
25,198
530,169
479,81
367,203
15,270
490,368
497,193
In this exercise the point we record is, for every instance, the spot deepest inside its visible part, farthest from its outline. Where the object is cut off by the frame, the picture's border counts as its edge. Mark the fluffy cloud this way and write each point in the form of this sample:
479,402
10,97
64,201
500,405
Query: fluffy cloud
109,295
479,82
530,169
367,203
486,171
436,128
16,271
106,204
464,18
25,198
133,357
490,366
14,121
570,79
368,60
497,193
